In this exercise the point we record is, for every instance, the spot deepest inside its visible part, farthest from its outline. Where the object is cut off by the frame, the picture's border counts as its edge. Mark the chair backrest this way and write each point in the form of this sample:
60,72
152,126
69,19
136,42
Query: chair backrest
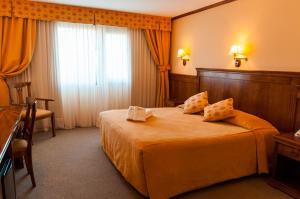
19,88
29,120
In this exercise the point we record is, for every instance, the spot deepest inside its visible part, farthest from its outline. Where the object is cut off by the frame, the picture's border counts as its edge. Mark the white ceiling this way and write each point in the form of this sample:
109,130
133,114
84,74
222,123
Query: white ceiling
169,8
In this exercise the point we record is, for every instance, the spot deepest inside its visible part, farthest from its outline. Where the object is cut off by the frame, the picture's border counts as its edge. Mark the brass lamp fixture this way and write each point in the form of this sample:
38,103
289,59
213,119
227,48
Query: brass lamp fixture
238,55
183,55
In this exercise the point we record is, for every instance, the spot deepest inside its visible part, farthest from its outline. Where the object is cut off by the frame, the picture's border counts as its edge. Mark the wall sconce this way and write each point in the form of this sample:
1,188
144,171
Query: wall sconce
183,55
238,55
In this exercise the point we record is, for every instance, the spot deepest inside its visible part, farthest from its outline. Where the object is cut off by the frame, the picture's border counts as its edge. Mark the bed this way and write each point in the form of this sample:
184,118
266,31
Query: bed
173,153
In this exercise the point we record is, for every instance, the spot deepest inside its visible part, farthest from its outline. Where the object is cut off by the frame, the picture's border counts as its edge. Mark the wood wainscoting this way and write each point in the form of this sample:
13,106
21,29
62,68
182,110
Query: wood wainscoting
273,96
183,86
297,111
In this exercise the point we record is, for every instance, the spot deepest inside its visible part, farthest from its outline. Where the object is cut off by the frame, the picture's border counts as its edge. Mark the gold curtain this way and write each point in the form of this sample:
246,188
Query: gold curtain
159,45
17,41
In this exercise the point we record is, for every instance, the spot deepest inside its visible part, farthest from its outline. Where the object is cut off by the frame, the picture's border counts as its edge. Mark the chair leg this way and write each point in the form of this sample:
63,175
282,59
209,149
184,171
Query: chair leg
27,163
30,168
53,125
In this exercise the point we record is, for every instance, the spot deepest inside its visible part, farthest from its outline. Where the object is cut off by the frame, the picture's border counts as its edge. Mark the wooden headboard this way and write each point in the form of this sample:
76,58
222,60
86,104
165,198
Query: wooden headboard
273,96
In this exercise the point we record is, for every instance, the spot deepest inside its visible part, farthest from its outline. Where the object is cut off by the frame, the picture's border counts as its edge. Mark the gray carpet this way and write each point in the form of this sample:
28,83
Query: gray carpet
73,165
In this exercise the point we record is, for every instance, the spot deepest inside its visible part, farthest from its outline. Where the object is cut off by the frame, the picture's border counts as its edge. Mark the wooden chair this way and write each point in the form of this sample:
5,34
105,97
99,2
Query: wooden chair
40,113
22,148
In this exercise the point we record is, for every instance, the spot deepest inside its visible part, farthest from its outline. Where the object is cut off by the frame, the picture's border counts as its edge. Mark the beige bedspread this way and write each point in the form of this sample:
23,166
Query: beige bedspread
173,152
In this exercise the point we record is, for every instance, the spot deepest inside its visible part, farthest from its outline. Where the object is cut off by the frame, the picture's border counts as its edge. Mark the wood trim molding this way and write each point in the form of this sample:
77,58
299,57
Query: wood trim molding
262,72
203,9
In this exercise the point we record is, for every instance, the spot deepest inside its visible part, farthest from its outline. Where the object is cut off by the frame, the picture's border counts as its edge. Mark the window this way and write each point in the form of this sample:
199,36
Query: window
117,54
91,55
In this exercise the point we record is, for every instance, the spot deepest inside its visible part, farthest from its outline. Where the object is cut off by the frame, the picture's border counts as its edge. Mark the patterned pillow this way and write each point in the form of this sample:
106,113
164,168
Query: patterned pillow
219,111
196,103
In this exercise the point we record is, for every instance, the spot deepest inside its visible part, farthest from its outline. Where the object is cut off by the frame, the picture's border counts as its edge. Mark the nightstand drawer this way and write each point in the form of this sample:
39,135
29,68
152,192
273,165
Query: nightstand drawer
289,152
286,175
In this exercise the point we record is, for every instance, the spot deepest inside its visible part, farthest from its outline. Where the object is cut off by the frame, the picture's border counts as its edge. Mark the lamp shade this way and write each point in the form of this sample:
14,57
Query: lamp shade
236,49
181,53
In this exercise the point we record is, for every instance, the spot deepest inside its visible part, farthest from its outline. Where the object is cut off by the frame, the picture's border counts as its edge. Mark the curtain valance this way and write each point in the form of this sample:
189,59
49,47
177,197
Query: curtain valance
58,12
132,20
51,12
5,8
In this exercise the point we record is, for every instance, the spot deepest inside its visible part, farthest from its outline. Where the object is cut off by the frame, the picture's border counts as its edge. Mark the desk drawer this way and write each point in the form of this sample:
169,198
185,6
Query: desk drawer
289,152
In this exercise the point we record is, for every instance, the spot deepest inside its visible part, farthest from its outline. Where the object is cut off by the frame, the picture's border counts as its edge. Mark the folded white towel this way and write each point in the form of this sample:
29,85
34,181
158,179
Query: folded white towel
136,113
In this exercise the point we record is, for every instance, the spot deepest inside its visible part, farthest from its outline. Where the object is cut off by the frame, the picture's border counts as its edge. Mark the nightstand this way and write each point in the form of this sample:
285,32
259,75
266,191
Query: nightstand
174,102
286,165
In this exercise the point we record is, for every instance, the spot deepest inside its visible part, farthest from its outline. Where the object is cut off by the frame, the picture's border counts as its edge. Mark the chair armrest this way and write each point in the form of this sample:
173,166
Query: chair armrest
46,100
16,104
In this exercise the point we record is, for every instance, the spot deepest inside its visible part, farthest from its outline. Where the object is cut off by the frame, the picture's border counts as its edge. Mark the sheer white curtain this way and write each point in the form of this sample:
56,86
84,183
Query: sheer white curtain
88,69
94,64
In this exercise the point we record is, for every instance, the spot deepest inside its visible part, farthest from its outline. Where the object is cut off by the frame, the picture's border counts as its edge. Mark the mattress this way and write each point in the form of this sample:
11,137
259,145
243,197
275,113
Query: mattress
173,152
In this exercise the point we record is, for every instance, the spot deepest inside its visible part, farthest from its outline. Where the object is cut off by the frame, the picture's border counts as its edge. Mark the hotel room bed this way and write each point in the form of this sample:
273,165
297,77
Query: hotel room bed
173,152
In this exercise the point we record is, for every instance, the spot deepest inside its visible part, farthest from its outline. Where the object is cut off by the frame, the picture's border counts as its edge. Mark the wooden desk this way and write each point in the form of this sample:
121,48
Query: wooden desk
9,120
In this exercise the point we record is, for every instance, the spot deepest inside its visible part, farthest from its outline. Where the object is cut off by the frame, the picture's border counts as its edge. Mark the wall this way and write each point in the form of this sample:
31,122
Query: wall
270,29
